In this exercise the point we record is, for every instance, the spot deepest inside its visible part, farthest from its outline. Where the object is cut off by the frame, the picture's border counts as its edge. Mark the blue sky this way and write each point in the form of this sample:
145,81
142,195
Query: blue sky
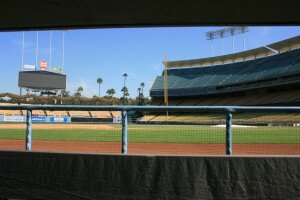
108,53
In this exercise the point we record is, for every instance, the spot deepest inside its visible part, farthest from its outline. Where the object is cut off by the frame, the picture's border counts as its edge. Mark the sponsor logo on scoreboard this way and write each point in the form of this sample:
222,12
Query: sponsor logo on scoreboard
29,66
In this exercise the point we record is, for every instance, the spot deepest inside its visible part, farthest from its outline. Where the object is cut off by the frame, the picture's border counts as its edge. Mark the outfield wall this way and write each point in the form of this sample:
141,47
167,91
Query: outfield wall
35,119
32,175
51,119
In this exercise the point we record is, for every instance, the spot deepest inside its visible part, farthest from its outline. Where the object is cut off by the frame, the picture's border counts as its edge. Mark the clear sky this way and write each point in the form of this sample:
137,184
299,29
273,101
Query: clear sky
108,53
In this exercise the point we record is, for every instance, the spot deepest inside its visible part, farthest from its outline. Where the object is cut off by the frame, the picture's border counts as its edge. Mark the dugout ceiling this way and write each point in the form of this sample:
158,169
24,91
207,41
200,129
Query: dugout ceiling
46,14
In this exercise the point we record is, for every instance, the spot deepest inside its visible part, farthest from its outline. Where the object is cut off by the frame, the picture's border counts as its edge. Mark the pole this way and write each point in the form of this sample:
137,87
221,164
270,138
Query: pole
23,41
244,41
63,50
50,50
37,49
28,130
124,90
232,43
228,134
124,132
211,48
20,96
222,46
166,92
99,90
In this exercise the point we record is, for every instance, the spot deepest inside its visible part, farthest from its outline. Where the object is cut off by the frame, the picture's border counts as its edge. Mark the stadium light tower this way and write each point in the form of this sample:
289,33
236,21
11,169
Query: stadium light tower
226,32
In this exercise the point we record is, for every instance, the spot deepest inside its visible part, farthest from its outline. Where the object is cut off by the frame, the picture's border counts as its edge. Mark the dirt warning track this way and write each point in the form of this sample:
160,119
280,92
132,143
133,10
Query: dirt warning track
153,148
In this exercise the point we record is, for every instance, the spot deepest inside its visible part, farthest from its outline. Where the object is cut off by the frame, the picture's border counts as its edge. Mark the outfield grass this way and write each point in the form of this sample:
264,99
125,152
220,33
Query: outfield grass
165,134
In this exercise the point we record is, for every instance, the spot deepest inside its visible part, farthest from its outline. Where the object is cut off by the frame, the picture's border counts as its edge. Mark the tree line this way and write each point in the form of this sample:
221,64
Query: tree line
65,97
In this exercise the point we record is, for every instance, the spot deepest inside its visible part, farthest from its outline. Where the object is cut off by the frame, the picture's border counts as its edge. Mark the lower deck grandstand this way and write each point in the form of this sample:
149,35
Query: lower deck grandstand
258,77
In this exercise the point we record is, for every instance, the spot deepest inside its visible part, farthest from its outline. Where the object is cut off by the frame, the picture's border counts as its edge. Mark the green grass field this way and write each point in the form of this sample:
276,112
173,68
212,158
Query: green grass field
165,134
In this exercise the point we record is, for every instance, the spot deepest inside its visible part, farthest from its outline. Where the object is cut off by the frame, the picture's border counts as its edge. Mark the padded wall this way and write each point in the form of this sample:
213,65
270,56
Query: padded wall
76,176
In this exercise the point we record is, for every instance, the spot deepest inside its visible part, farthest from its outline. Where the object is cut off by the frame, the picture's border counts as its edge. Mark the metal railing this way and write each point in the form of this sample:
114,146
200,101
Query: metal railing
228,110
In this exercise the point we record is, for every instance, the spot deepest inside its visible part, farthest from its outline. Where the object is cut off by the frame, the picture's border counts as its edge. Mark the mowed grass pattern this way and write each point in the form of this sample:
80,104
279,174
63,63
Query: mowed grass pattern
187,134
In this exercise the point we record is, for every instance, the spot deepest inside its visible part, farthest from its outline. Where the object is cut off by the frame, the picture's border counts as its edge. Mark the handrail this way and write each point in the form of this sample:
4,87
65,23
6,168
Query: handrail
152,108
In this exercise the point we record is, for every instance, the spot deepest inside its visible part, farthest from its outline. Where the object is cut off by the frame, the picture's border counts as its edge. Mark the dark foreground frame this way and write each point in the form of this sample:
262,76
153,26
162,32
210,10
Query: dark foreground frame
33,175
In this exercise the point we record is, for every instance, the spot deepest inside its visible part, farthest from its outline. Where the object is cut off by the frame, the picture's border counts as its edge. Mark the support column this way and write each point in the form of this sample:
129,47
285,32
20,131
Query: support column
28,130
124,132
228,134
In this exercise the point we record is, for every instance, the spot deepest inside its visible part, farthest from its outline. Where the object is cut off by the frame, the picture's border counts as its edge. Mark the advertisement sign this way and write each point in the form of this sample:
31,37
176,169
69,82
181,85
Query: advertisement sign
57,69
38,119
117,120
58,119
14,119
29,66
43,64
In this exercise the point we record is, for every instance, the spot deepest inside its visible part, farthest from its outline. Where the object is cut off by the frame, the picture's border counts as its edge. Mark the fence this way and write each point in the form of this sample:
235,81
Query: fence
190,130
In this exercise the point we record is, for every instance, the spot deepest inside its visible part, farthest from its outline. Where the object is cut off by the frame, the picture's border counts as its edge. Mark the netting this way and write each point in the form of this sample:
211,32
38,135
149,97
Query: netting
12,130
160,133
179,134
269,133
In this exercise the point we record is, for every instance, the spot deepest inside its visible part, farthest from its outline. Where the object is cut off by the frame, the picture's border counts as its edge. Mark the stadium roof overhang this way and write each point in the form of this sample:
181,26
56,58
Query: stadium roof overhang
51,14
281,46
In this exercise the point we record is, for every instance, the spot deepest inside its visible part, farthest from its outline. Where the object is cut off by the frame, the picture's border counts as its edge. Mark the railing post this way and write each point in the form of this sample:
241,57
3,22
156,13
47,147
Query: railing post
228,134
124,132
28,130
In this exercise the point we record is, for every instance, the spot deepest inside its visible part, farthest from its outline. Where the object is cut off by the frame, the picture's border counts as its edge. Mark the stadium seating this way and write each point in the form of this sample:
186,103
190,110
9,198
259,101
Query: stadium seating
9,112
115,113
202,80
79,114
57,113
245,118
38,113
101,114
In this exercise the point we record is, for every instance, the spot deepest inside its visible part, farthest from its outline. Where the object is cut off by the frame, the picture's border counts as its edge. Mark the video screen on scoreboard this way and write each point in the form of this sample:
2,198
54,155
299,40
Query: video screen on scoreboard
42,80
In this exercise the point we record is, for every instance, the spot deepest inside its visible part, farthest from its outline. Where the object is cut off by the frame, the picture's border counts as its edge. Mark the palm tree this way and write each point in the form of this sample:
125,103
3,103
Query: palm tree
142,88
79,92
99,81
125,91
108,92
125,76
111,92
139,96
65,93
124,86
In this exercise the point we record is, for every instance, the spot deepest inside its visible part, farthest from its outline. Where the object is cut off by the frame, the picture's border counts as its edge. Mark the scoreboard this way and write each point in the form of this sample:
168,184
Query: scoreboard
44,80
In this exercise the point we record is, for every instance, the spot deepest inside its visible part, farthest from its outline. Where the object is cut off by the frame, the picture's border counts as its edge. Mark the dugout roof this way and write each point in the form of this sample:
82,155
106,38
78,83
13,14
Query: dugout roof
50,14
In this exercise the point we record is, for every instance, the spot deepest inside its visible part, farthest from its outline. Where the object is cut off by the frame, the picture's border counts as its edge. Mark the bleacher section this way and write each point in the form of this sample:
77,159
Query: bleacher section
246,118
57,113
79,114
270,98
101,114
116,113
37,113
280,68
9,112
74,114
